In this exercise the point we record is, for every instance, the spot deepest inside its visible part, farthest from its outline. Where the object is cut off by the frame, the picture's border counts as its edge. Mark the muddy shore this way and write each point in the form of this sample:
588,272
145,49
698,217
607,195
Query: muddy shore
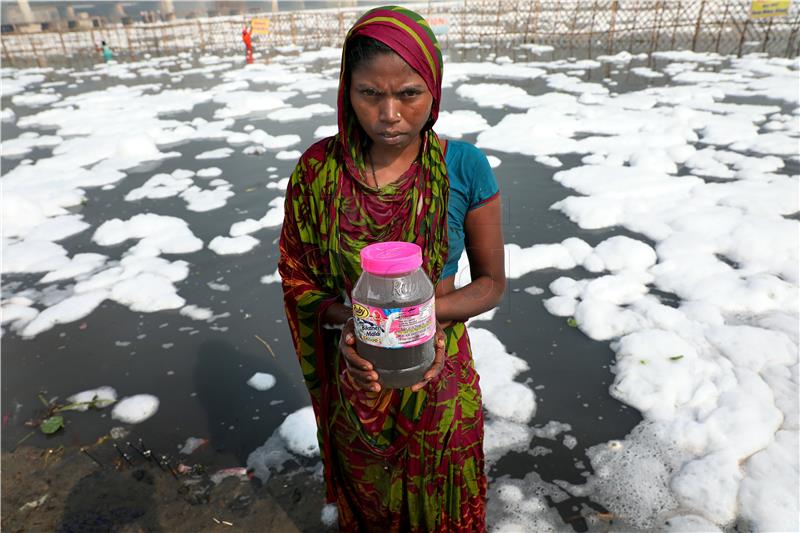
62,489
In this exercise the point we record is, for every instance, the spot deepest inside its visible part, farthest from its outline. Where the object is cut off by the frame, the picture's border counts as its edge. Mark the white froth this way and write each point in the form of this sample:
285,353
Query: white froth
101,396
197,313
232,245
261,381
455,124
135,409
299,431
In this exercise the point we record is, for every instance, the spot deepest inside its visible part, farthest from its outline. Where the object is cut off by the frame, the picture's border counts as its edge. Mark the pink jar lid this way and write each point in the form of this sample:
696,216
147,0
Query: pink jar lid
392,257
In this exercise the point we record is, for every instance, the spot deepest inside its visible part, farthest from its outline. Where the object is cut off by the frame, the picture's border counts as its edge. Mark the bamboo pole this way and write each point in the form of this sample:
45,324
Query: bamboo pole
612,26
128,41
63,46
497,23
721,27
742,37
697,25
591,27
633,26
201,35
6,53
33,48
572,31
656,27
464,23
766,36
678,13
792,35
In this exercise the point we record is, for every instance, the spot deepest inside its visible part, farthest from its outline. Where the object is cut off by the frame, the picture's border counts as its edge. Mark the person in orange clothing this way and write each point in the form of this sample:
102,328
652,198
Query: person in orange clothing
247,38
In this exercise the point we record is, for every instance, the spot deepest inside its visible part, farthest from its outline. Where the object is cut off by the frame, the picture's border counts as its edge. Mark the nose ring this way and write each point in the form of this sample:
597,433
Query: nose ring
398,115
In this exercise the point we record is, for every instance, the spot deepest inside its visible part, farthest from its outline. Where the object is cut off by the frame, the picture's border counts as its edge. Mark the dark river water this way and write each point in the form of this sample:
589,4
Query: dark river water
199,370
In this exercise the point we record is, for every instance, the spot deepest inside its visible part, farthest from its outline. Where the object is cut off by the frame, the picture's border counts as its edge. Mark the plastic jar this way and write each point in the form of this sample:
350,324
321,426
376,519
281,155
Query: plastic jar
393,308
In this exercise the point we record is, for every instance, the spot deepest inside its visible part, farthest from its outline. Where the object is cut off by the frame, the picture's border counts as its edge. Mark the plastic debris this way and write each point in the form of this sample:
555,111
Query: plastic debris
191,444
219,475
35,503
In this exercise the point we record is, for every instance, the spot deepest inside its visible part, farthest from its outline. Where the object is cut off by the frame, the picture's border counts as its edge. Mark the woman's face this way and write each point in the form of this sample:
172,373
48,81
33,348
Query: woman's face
391,101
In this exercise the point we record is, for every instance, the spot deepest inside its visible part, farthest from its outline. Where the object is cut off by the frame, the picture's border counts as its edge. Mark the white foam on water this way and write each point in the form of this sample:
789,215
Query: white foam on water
245,227
232,245
201,200
78,267
455,124
275,277
26,142
163,234
455,72
646,72
509,405
279,185
218,153
272,142
209,172
713,377
537,49
101,396
291,114
496,95
299,431
329,515
160,186
288,155
197,313
261,381
494,161
549,161
248,103
68,310
34,99
327,131
135,409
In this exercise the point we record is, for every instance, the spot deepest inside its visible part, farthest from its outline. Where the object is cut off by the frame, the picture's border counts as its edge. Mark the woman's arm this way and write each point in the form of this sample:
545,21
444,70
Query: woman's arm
486,253
337,314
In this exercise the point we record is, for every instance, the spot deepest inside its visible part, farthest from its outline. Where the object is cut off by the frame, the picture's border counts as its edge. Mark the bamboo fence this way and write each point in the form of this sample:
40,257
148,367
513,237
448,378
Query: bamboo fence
573,27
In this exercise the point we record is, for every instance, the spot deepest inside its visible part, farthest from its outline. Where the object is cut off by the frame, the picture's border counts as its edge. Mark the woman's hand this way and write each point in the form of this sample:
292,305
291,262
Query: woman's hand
360,370
438,359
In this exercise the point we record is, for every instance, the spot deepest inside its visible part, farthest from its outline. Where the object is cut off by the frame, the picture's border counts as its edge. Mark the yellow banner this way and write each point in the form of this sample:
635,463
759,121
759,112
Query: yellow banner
260,26
761,9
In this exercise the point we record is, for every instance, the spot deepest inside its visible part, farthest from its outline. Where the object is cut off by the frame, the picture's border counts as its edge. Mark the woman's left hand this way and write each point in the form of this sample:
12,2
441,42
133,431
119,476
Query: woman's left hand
438,360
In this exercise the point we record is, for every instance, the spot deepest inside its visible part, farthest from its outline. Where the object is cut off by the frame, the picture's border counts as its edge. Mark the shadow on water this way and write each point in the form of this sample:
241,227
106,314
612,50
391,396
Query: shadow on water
121,502
219,372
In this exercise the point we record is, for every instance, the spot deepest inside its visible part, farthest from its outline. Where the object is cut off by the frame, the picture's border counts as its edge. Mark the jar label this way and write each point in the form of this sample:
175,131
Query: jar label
395,327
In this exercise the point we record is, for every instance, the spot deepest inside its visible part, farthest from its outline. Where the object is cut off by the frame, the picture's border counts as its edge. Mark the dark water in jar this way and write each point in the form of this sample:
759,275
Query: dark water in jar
399,367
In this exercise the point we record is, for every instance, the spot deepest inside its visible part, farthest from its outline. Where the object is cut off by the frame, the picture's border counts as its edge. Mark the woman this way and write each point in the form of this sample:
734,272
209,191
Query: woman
404,459
247,39
107,54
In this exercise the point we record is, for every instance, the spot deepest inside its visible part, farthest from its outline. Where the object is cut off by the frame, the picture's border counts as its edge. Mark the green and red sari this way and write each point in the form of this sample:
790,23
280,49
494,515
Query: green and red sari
393,460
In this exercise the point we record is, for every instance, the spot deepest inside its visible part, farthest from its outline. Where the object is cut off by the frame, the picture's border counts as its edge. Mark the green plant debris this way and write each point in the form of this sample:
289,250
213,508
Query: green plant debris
676,358
52,424
571,322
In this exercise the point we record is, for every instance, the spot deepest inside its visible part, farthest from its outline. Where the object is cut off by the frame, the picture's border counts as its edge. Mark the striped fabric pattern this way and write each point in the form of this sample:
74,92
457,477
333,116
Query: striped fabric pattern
394,460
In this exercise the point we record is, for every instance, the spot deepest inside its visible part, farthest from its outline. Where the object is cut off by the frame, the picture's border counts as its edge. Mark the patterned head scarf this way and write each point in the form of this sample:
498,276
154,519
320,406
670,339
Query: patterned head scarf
410,37
414,208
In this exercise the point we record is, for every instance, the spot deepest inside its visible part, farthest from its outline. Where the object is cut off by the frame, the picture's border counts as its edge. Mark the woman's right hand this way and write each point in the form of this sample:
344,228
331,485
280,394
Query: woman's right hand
360,370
